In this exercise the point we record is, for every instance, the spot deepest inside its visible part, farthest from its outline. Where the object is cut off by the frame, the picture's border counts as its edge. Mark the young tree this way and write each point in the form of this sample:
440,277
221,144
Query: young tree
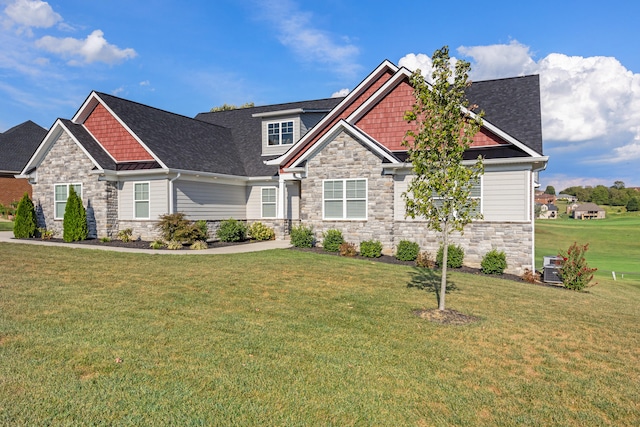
25,223
75,219
550,190
442,128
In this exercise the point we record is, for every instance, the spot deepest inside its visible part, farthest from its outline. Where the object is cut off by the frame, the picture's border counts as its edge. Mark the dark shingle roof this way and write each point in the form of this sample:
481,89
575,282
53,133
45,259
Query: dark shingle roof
180,142
513,105
247,130
90,144
18,144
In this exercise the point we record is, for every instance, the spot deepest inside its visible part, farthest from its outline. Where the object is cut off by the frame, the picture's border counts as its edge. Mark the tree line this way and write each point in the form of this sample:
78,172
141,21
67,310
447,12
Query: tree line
616,195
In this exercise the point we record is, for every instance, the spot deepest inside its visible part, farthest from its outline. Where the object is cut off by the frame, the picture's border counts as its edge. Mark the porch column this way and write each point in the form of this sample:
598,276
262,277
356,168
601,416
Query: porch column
281,197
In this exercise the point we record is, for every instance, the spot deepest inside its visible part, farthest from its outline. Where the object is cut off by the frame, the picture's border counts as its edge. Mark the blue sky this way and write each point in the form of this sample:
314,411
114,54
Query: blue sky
187,57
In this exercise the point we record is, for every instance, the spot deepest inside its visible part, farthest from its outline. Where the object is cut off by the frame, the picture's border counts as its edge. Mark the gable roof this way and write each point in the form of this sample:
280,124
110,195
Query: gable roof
18,144
245,126
513,105
512,108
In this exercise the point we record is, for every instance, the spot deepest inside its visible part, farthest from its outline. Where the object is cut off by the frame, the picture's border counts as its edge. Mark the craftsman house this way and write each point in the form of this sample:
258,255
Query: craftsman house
17,145
329,163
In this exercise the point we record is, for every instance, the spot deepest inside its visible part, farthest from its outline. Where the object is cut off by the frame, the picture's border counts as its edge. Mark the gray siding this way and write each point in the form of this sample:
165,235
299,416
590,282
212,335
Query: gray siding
269,150
506,195
210,201
158,199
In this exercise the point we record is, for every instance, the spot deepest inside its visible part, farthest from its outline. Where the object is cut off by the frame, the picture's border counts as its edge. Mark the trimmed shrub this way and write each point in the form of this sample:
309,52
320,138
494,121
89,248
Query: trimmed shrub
174,245
75,219
232,230
348,249
371,248
259,231
494,262
25,224
455,256
177,227
302,237
332,240
407,251
425,260
201,230
156,244
199,245
633,205
125,235
575,272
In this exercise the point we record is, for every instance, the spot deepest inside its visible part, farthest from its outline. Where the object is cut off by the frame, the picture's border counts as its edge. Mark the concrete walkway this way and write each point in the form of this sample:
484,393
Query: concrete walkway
7,237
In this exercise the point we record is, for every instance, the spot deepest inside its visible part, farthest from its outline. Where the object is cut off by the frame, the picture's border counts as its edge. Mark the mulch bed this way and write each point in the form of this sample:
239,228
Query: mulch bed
144,244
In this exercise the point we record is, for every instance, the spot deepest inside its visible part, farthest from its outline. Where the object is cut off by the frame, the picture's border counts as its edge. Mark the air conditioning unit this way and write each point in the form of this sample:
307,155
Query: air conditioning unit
551,269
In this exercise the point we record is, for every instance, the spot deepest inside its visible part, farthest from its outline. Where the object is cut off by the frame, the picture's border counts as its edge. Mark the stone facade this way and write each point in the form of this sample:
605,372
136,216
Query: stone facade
66,163
345,157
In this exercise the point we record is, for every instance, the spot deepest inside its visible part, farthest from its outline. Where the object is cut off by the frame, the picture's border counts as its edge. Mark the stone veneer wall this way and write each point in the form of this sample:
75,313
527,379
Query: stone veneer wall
345,157
66,163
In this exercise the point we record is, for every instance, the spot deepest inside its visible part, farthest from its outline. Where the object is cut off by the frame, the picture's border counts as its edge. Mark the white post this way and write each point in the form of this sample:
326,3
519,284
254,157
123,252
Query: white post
281,195
613,273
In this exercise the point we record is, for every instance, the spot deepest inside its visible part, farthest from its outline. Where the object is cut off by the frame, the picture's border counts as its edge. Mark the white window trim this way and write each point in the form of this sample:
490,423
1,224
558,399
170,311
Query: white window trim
262,202
133,195
344,200
480,197
55,202
280,123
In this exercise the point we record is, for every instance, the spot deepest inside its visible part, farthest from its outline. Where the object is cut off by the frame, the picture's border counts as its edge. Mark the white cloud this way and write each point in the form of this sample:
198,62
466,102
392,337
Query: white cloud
583,99
145,83
94,48
296,30
32,13
340,93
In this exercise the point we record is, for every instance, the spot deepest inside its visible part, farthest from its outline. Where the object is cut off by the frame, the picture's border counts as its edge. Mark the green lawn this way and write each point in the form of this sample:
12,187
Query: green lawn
292,338
614,242
6,226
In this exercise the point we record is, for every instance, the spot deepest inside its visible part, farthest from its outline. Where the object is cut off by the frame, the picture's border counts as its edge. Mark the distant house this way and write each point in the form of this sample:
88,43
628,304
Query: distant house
17,145
568,197
548,211
586,211
544,198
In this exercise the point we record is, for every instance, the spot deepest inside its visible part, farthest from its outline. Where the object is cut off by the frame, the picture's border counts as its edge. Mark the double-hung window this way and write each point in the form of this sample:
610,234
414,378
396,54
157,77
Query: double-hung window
344,199
269,202
475,194
61,195
141,200
280,133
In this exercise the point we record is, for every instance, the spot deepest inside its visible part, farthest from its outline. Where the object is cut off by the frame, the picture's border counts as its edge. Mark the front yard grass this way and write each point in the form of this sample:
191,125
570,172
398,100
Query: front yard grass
292,338
6,225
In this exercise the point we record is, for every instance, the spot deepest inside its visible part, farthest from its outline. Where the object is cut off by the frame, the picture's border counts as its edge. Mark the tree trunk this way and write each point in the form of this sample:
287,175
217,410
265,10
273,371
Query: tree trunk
445,258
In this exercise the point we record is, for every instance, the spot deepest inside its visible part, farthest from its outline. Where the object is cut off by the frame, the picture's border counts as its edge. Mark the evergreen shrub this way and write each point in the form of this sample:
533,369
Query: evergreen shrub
332,240
25,224
455,256
302,237
407,251
75,219
494,262
371,248
232,230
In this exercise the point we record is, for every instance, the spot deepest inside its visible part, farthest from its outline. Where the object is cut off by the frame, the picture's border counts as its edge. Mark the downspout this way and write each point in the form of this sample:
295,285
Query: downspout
171,207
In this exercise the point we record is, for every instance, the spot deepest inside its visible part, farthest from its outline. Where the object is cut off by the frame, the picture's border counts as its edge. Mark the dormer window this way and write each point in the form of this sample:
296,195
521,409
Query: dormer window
280,133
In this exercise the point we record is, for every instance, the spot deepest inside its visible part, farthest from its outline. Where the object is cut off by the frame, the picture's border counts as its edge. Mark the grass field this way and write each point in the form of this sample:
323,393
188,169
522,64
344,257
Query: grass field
614,242
6,225
291,338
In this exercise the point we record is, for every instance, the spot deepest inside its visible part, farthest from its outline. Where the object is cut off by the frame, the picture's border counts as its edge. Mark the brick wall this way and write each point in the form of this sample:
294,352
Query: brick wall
12,189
